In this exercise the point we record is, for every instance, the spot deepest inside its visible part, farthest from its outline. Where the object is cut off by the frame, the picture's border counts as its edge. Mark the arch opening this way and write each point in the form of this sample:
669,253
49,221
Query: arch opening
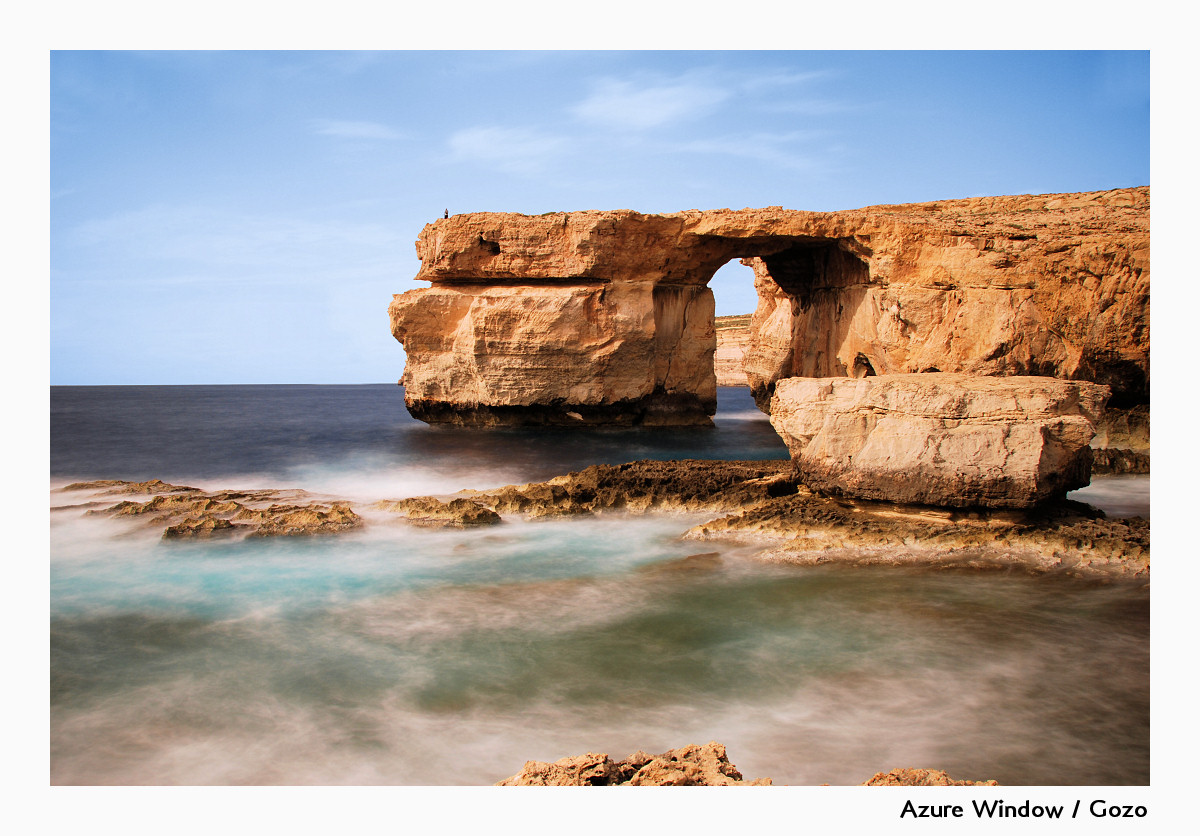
803,296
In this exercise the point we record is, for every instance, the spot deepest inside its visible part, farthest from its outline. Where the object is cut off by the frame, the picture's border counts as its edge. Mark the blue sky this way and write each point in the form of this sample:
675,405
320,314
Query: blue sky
245,217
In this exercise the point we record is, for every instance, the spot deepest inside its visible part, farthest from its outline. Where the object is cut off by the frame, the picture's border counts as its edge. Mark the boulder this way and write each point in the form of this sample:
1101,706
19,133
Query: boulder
940,439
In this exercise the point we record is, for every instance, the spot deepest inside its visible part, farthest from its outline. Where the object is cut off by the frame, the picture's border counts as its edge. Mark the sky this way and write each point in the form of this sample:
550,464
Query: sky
246,216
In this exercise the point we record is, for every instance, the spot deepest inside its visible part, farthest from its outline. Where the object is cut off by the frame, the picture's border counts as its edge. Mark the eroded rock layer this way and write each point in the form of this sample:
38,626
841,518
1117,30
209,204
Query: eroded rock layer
940,439
762,504
733,339
606,317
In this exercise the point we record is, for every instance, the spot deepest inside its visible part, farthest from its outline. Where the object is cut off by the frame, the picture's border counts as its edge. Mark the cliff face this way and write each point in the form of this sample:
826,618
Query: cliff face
605,317
733,340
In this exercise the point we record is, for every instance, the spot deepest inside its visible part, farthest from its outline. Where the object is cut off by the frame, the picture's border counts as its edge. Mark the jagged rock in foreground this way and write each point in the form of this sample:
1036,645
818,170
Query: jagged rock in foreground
605,317
920,778
687,766
940,439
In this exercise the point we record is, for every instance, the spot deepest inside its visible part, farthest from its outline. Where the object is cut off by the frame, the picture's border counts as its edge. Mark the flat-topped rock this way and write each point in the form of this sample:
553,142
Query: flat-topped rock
940,439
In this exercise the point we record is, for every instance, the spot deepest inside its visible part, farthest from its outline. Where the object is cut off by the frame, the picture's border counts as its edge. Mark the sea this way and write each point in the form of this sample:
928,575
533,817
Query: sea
398,655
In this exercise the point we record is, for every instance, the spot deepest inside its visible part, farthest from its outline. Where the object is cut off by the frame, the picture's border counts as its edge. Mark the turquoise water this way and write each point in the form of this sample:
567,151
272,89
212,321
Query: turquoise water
400,655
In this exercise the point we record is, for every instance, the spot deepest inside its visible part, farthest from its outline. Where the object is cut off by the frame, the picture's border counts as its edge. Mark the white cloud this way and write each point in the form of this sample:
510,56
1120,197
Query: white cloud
625,105
512,149
354,130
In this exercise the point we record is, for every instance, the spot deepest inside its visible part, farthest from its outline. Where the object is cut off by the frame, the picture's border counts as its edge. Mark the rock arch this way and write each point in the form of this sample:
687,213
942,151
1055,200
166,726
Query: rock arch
606,317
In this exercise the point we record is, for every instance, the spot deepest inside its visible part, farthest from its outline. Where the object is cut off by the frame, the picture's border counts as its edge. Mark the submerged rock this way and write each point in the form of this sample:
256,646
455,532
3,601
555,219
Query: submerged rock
940,439
687,766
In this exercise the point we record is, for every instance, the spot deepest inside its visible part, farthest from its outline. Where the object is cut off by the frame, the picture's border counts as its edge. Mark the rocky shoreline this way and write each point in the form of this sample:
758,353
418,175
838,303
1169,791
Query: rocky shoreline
756,503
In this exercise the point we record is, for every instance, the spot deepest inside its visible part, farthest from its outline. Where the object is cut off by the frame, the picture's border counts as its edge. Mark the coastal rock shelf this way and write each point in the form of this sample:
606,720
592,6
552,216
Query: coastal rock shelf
940,439
760,504
605,317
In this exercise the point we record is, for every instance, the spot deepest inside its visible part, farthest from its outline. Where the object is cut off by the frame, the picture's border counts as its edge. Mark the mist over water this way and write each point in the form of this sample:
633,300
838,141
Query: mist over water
402,655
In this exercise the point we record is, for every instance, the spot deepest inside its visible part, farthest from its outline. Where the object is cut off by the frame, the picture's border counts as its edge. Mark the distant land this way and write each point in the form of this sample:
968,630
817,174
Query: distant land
733,337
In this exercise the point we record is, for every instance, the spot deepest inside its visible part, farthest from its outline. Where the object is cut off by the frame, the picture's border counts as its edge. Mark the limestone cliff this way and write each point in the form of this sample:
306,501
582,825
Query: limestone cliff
733,339
606,317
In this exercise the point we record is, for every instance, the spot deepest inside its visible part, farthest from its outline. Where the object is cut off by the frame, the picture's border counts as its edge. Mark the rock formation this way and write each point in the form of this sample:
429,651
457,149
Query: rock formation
687,766
189,513
762,503
940,439
733,340
606,317
765,504
920,778
1122,442
432,512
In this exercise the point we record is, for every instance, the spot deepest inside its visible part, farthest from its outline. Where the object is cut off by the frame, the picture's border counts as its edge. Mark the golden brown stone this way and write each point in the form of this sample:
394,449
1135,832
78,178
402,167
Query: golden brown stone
605,317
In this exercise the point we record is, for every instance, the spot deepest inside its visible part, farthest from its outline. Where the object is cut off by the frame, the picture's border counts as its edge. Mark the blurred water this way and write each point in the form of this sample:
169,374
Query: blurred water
414,656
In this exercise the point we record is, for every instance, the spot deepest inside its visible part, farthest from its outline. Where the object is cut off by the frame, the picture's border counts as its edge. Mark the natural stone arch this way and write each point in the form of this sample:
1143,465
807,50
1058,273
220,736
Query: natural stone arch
810,286
606,317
